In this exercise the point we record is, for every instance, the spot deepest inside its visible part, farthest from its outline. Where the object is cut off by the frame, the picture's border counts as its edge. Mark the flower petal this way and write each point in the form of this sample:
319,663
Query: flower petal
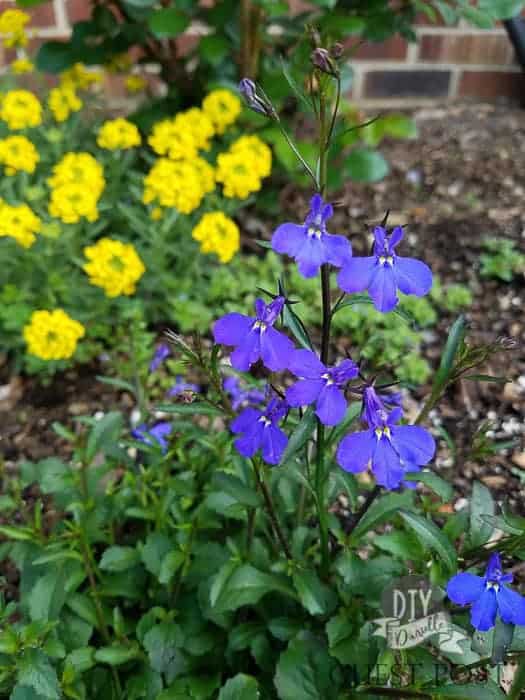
305,363
395,237
511,606
331,405
382,288
274,442
304,392
338,249
355,451
494,568
247,352
356,274
276,349
231,329
483,612
311,256
412,276
386,465
248,445
465,588
245,420
414,444
288,239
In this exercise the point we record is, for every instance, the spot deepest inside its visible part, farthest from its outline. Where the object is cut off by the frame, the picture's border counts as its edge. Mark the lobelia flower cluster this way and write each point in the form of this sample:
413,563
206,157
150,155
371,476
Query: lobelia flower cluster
392,449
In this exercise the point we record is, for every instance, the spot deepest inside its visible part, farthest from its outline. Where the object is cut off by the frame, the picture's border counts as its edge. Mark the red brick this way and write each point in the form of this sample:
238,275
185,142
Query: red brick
393,49
406,83
485,49
77,10
491,84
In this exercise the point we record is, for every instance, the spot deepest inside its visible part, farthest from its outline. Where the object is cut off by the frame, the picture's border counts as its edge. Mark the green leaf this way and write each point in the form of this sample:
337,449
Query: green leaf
246,585
306,671
154,550
481,505
55,56
48,596
168,22
300,436
117,655
105,432
364,165
292,321
382,509
82,659
213,49
314,595
431,536
356,299
17,533
477,17
234,487
83,607
191,409
501,9
349,645
163,643
434,482
119,559
488,690
34,670
24,692
454,341
241,687
170,565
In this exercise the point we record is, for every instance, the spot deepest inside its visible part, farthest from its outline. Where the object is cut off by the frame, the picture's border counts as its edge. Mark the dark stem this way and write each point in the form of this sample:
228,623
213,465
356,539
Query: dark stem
396,693
371,497
271,509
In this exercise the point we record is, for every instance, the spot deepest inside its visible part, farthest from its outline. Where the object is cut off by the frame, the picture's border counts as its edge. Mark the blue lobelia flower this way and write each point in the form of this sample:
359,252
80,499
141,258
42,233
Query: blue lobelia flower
161,353
320,384
255,338
384,272
392,449
181,386
488,595
156,435
239,396
309,243
260,431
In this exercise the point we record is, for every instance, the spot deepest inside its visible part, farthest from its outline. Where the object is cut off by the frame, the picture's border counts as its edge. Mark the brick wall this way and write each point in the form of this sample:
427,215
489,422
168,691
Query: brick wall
446,63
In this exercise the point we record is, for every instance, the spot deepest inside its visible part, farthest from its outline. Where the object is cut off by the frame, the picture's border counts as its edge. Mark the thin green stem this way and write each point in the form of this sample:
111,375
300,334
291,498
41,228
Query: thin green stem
271,509
518,684
294,148
250,530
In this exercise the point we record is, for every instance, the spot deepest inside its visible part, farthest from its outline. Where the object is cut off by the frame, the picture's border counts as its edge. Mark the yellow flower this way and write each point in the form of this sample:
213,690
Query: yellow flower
20,109
19,222
18,153
78,77
222,107
52,335
205,173
118,133
259,154
119,63
63,101
176,184
135,83
22,65
12,27
72,201
79,169
174,139
199,125
114,266
217,234
156,214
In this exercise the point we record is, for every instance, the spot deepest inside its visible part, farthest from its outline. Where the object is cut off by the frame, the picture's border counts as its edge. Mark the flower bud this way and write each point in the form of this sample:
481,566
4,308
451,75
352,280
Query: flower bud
322,60
336,50
259,103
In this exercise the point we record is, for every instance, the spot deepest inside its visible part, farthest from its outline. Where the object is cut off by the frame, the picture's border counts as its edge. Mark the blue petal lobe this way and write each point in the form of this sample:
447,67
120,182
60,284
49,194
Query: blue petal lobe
414,444
231,329
386,465
274,442
276,349
305,363
356,274
247,352
483,612
382,288
288,239
331,405
245,420
511,606
304,392
355,451
465,588
413,276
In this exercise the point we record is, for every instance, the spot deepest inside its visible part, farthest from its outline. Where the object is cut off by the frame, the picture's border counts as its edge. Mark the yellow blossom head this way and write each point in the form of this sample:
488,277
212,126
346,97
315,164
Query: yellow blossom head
114,266
135,83
63,101
118,134
237,175
19,222
79,77
172,139
12,27
17,153
179,184
223,108
79,169
217,234
199,125
22,65
52,335
256,152
72,201
20,109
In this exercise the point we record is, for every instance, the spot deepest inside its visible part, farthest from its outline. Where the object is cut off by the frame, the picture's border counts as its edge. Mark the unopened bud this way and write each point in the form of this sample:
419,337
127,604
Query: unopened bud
336,50
322,60
256,101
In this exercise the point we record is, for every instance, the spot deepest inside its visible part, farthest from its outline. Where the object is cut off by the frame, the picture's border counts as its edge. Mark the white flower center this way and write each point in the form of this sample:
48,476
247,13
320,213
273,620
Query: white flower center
265,421
386,260
385,430
492,584
314,233
259,325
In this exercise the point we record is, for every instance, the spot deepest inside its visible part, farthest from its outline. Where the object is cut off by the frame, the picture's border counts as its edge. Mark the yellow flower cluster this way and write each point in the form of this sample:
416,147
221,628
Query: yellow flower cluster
20,109
19,222
12,28
78,77
76,186
242,167
52,335
22,65
18,153
199,125
118,133
114,266
181,184
63,101
223,108
170,139
217,234
135,83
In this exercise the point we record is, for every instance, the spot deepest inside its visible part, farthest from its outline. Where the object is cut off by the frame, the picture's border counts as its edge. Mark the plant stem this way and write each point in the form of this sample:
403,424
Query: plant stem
372,495
250,531
294,148
271,509
518,684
